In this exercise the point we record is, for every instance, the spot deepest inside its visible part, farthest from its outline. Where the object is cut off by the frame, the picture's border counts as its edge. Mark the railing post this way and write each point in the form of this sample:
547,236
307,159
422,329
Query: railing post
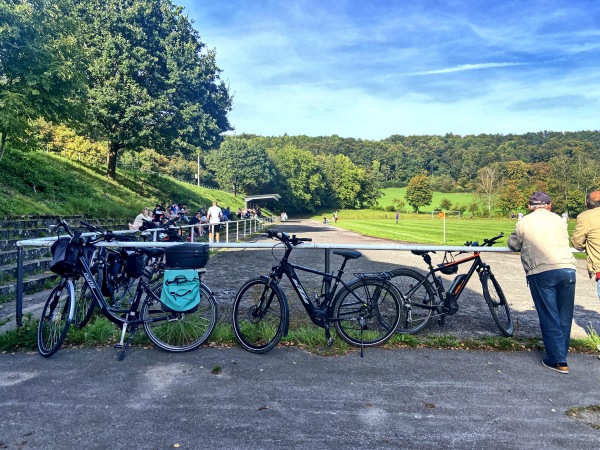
237,231
19,311
227,232
327,268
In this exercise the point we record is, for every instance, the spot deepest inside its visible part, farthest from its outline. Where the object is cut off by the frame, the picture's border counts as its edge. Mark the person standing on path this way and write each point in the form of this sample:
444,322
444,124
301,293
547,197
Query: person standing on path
543,240
586,236
214,216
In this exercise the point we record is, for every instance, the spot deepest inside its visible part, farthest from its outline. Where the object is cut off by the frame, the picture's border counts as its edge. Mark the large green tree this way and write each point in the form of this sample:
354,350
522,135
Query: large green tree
40,60
298,178
418,192
240,165
151,81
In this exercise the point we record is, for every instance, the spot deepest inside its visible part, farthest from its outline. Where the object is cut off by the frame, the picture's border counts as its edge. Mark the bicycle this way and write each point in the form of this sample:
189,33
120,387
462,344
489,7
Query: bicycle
175,331
364,312
425,296
116,272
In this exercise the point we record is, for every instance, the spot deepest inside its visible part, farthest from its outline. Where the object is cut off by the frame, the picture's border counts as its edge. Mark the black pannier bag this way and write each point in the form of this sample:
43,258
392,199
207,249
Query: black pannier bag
134,263
65,254
191,256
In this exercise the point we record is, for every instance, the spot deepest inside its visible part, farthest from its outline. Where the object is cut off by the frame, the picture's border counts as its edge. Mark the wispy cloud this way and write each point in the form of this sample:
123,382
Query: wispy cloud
373,69
464,67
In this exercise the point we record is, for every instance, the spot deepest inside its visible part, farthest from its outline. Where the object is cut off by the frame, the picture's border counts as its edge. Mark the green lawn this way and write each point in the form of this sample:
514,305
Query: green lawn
389,194
423,228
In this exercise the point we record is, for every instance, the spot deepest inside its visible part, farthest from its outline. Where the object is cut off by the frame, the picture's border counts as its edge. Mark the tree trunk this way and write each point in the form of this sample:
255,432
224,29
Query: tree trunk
111,159
2,144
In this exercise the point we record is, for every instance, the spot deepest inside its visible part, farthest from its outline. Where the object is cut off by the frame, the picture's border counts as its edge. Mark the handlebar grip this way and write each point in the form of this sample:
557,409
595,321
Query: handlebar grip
305,239
88,225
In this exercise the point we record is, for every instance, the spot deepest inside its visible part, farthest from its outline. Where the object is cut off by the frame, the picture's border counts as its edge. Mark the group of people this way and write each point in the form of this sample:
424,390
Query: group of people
543,240
248,213
161,215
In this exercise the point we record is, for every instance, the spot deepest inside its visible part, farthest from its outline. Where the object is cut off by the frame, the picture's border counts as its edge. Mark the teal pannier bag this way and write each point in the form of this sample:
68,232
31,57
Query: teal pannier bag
181,290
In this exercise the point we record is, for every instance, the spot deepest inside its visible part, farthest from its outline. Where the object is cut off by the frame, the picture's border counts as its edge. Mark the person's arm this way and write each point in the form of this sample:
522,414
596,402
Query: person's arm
514,241
579,236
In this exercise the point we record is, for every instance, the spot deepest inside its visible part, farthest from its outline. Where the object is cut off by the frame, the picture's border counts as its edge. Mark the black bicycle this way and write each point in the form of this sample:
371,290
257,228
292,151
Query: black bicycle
364,312
425,296
171,330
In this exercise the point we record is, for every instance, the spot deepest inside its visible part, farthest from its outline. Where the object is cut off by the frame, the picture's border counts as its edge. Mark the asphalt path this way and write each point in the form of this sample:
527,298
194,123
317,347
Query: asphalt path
218,397
227,398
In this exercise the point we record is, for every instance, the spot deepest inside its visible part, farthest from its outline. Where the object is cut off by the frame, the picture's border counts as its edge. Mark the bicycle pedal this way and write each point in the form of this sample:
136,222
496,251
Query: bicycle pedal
117,346
330,342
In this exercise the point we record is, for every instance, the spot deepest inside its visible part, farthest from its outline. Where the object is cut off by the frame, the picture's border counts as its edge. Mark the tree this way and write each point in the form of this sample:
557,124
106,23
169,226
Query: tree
240,165
490,183
511,199
151,82
298,178
39,66
445,204
343,180
418,192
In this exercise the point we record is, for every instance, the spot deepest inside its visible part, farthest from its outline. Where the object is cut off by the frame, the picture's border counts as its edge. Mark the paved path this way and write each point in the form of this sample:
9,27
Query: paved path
218,398
288,398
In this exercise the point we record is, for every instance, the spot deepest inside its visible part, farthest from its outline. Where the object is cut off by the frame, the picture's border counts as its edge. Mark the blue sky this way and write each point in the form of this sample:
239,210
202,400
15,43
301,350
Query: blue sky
369,69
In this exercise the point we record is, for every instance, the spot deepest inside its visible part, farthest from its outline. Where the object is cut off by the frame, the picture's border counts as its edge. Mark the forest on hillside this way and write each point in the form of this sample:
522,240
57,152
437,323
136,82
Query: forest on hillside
130,85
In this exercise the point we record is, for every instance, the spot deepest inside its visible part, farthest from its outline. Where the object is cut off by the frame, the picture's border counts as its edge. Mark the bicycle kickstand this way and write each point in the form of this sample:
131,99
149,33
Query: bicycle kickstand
362,323
134,329
328,334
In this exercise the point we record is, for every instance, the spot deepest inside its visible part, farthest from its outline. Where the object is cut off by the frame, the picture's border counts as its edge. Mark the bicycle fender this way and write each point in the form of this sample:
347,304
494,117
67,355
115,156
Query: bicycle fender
286,310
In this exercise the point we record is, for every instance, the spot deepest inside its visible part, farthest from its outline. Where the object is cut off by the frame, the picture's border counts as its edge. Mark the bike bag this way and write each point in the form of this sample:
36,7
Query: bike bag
181,290
134,263
190,256
65,254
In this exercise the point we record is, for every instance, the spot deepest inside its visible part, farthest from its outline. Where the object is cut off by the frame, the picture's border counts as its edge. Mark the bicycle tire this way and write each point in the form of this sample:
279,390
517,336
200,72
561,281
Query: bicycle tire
258,326
179,332
414,316
56,318
367,312
496,301
84,300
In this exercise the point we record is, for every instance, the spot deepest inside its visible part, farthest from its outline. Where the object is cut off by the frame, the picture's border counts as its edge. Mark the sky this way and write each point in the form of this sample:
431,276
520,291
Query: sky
369,69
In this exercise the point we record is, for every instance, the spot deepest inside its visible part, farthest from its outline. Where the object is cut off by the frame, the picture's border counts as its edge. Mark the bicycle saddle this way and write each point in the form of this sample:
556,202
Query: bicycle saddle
421,252
350,254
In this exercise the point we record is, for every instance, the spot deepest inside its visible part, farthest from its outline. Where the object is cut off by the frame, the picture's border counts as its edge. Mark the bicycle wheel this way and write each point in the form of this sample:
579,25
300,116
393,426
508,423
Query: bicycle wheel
416,295
55,320
367,313
179,332
122,292
494,297
84,300
258,315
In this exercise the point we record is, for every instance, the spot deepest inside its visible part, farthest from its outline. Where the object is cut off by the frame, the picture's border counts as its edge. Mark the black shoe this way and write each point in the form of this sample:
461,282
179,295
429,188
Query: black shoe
559,367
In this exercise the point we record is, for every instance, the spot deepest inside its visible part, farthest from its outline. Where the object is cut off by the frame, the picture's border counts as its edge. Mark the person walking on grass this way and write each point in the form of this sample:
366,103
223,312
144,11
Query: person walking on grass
542,238
214,216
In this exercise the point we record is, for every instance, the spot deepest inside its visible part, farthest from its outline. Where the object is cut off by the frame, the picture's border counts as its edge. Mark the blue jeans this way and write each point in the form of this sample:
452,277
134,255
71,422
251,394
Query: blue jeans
553,294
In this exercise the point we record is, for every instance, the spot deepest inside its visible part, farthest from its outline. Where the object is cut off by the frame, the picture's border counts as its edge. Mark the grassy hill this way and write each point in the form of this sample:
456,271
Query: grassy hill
37,183
390,194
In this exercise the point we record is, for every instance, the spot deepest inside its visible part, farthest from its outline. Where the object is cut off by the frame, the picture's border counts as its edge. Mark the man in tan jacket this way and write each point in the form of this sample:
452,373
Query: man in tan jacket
586,236
542,238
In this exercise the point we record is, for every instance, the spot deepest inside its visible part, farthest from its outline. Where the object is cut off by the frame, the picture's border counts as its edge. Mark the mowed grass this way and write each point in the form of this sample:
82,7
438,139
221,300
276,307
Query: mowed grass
389,194
422,228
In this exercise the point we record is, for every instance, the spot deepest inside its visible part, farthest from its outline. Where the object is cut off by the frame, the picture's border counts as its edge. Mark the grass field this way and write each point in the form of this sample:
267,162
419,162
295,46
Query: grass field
424,229
389,194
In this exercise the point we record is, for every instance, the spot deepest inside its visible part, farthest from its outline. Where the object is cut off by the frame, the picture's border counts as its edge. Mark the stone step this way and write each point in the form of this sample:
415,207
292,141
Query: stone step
33,283
9,257
29,267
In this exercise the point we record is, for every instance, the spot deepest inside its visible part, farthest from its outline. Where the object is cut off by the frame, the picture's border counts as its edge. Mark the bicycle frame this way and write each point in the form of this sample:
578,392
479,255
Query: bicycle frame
443,308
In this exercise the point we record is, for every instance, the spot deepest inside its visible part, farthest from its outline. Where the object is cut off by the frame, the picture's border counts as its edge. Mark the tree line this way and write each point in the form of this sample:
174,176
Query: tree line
129,82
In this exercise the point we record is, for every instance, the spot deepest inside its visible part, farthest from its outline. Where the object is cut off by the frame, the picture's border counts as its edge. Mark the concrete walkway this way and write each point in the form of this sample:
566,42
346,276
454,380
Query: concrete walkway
288,398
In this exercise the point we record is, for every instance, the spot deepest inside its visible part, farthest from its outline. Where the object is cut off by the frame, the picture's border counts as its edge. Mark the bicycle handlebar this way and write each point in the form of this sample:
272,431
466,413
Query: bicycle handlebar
486,242
286,239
